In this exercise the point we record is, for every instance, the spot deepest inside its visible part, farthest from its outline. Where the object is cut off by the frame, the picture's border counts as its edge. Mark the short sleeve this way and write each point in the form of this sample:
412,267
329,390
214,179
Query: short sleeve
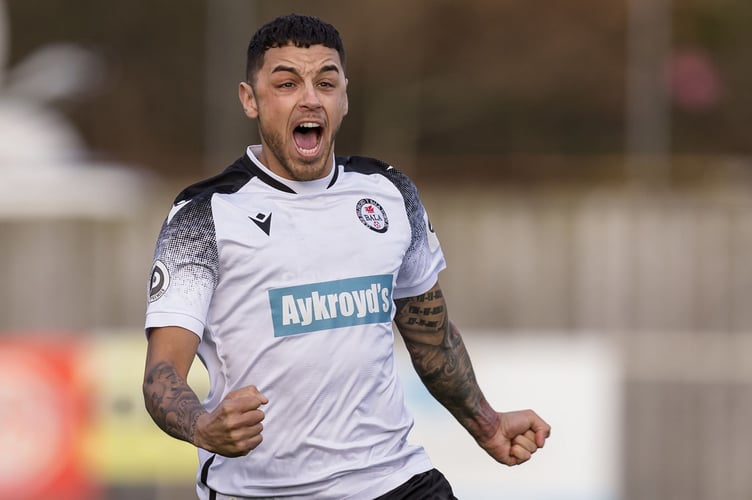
185,268
424,258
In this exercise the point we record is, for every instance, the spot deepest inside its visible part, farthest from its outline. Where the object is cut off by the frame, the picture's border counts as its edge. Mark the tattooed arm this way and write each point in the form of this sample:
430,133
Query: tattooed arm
443,364
231,429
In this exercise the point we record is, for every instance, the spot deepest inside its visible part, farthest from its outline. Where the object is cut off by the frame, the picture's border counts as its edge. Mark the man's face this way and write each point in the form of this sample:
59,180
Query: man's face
299,99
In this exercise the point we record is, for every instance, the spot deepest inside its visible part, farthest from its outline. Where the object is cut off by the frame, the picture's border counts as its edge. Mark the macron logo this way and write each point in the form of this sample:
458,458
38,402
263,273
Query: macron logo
263,221
331,304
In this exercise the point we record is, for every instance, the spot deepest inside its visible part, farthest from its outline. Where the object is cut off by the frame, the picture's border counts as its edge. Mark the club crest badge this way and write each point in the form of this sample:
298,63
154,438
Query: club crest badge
372,215
160,281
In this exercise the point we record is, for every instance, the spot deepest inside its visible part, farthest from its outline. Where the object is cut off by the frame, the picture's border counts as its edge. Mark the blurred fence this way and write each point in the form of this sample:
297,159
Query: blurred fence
609,260
665,276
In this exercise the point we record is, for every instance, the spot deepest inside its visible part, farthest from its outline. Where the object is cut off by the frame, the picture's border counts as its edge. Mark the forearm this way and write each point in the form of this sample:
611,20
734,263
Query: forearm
172,404
442,362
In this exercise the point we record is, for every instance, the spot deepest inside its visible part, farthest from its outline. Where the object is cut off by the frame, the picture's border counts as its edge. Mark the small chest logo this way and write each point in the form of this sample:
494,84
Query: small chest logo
372,215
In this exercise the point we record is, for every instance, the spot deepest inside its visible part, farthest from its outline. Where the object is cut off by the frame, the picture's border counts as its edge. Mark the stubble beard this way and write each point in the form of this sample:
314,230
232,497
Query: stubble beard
312,169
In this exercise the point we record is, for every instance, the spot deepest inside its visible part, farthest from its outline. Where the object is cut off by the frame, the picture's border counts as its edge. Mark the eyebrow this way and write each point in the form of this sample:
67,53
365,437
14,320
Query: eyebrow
290,69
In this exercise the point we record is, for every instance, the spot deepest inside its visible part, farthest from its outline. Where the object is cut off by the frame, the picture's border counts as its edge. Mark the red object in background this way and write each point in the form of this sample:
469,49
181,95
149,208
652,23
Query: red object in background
694,80
43,414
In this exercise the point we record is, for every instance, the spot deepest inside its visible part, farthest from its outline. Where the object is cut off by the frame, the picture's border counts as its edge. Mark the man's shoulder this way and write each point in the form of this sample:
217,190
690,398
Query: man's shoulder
369,166
230,180
363,164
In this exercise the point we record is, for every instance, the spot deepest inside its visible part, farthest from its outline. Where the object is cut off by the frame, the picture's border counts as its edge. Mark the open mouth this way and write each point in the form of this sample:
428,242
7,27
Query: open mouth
307,137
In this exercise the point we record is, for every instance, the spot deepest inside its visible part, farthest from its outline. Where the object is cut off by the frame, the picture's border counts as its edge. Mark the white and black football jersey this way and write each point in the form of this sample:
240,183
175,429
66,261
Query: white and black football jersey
290,287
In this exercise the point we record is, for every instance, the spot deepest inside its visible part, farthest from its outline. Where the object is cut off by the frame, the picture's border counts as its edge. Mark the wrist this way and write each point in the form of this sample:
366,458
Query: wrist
486,422
198,423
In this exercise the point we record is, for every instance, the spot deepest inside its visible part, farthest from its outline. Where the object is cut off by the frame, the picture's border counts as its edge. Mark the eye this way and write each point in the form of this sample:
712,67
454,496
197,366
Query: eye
286,85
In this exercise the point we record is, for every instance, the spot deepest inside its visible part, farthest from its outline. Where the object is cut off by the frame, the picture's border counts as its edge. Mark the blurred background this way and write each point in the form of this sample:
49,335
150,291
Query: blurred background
587,166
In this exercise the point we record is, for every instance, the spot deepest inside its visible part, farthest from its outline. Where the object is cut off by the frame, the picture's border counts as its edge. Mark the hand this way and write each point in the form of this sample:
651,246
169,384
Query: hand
518,435
234,428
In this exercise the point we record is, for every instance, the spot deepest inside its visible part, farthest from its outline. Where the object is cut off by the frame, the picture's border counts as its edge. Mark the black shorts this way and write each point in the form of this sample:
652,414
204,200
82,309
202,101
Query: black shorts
430,485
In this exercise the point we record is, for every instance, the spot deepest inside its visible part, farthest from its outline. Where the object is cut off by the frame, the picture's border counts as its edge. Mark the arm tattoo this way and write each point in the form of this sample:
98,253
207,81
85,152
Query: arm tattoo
172,404
442,362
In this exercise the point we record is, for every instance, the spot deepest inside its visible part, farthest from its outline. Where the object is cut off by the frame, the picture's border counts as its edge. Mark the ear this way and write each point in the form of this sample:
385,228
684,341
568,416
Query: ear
347,100
248,100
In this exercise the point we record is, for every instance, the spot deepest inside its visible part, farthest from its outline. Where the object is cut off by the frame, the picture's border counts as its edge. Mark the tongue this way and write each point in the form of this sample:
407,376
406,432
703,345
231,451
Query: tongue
305,140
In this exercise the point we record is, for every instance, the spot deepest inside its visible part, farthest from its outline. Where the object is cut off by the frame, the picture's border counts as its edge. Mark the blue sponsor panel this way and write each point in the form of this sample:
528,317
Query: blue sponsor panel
331,304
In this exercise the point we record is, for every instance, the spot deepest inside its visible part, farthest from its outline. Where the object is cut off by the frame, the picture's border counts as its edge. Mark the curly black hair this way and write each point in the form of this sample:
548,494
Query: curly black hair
300,30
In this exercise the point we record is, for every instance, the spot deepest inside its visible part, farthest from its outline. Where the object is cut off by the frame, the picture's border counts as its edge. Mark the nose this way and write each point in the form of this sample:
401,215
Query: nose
310,98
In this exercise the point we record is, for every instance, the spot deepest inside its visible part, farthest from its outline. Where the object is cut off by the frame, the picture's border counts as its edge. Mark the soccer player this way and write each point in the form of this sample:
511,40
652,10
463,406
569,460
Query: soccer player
283,274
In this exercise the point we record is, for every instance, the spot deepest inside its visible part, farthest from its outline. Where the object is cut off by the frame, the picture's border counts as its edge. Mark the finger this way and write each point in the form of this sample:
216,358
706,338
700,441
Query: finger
542,430
526,441
541,434
520,453
241,406
529,434
247,432
244,438
245,446
254,417
253,442
540,438
247,398
247,391
527,437
252,436
246,421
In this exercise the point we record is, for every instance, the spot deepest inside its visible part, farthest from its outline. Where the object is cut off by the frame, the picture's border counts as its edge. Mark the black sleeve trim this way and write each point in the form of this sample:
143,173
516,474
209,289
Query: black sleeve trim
205,469
363,164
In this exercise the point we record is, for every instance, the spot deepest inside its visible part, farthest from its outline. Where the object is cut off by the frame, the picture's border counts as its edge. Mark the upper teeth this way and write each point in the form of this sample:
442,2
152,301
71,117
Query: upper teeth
309,125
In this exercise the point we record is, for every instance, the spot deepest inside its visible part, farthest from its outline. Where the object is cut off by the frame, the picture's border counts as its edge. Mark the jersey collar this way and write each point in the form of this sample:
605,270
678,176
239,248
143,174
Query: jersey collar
295,187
